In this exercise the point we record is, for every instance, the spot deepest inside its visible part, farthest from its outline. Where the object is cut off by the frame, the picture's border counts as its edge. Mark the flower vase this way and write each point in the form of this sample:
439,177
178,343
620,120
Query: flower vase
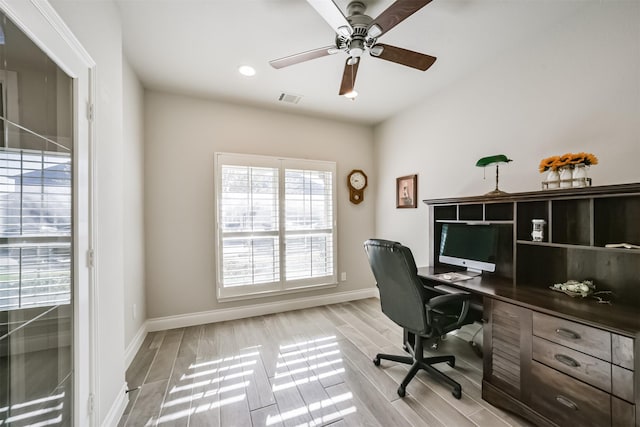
553,179
566,177
580,175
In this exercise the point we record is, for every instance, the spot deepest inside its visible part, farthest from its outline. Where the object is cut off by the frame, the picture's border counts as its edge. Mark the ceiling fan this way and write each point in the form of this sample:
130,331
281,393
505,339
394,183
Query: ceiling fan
359,33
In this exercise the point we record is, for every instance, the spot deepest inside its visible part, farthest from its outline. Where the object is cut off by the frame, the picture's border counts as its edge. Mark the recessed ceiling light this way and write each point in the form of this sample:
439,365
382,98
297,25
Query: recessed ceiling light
247,70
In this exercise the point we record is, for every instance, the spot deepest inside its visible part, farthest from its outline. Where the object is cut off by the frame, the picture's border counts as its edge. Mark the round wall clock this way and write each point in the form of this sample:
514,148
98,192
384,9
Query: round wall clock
357,182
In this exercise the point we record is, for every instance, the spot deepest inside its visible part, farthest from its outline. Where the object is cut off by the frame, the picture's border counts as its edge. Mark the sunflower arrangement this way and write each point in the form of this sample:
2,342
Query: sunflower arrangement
549,164
586,159
568,159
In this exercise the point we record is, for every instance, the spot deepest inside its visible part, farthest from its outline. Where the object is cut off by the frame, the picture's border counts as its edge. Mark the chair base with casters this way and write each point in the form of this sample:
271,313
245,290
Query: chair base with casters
424,313
417,362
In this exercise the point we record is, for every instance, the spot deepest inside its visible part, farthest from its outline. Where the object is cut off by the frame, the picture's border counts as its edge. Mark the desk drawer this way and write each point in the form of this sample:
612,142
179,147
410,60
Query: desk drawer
592,341
579,365
623,380
623,414
622,351
567,401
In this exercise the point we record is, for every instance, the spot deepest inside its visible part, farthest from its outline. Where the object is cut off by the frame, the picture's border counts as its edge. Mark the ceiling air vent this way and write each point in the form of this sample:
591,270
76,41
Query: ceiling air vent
291,99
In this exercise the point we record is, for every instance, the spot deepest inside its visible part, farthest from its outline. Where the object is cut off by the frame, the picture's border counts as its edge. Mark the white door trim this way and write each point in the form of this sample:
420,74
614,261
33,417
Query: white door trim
41,23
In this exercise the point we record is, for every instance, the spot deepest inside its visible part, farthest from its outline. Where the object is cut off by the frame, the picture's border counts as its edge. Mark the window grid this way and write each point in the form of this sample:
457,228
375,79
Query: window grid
276,226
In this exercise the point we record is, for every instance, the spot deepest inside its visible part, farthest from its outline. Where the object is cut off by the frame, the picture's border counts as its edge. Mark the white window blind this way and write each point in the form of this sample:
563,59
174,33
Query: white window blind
249,221
308,223
275,224
35,228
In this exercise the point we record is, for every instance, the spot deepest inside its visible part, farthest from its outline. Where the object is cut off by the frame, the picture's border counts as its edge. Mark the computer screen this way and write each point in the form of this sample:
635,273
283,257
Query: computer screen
472,246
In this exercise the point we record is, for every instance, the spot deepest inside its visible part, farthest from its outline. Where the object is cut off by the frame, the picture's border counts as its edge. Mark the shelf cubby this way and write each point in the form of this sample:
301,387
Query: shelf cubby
616,220
498,212
540,265
471,212
528,211
446,213
617,271
571,221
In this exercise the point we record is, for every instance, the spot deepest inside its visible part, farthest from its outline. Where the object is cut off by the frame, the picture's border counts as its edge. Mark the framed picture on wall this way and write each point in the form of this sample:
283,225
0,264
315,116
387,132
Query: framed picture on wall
407,191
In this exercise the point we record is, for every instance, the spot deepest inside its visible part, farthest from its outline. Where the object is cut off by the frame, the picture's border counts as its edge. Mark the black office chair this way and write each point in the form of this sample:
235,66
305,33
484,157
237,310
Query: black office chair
423,312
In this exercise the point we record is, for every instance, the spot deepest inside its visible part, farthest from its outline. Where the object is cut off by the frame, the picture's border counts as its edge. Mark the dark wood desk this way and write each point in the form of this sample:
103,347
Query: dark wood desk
554,359
523,334
616,317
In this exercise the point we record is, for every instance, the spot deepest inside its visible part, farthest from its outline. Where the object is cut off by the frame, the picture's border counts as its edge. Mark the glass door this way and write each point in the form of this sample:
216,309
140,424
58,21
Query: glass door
36,235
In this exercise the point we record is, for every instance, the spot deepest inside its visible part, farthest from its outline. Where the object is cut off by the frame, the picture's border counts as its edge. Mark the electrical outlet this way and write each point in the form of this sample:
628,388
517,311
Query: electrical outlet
343,276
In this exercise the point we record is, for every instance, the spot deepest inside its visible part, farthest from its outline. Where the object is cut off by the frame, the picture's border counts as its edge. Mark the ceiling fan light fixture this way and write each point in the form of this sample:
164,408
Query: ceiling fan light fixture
247,70
376,50
357,33
351,95
356,48
374,31
344,31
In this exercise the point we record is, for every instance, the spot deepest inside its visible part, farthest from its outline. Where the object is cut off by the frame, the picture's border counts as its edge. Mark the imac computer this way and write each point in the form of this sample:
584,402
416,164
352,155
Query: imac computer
472,246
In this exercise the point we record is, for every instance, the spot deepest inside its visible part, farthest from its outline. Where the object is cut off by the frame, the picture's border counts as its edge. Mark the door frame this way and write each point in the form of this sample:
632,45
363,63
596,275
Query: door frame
40,22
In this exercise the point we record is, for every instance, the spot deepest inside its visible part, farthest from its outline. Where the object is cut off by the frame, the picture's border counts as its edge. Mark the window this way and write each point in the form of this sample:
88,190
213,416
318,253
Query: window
35,228
275,224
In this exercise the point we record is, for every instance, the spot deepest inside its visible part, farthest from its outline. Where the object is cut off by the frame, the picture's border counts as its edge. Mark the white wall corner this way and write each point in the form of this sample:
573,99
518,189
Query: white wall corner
212,316
117,408
134,345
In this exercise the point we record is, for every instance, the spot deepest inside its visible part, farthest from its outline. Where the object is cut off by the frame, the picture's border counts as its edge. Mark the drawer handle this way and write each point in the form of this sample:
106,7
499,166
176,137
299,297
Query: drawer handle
566,402
567,333
569,361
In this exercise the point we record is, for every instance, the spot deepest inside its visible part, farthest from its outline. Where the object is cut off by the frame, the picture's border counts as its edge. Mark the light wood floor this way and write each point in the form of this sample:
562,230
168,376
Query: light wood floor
308,367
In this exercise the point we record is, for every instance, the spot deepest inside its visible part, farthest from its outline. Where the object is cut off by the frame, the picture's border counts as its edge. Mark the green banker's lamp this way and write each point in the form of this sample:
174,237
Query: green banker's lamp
490,160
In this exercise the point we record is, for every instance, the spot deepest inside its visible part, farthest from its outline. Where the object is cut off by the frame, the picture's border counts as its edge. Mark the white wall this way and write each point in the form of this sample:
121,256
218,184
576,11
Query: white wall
574,88
97,27
133,191
182,134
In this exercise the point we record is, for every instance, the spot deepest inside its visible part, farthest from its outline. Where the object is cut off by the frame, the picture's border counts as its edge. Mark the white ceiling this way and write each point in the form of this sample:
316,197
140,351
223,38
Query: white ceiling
195,47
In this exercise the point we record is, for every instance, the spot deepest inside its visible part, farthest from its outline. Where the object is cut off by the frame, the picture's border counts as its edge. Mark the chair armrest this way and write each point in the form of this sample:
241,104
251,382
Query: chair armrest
446,299
463,298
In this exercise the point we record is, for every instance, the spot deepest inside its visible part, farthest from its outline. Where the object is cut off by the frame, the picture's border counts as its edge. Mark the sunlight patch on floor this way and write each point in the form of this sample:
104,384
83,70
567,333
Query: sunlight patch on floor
224,359
207,385
313,407
308,368
288,363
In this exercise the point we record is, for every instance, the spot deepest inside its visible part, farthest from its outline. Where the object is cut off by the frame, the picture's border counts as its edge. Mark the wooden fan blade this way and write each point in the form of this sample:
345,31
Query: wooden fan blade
396,13
349,76
304,56
333,15
406,57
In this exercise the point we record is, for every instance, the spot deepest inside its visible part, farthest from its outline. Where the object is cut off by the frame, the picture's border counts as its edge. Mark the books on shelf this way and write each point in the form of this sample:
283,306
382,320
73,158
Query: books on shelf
622,245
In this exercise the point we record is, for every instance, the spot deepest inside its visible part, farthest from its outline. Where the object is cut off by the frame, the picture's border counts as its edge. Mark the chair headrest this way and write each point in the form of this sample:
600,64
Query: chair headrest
389,244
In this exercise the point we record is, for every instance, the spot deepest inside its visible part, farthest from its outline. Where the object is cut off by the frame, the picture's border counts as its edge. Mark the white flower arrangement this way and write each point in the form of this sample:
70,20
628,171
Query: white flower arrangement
575,288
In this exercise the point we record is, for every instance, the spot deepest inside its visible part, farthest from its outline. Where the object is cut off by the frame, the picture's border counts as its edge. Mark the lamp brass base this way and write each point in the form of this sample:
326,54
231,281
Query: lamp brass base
496,192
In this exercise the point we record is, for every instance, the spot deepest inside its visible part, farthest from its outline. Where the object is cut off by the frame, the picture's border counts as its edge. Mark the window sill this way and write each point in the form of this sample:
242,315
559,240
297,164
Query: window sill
266,294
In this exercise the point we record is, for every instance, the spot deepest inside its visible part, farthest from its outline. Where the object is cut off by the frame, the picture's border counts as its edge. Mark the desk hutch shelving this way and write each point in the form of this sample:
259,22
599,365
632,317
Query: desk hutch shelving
554,359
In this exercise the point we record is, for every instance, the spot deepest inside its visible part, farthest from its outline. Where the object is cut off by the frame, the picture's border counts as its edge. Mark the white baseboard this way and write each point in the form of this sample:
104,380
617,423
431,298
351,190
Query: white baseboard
203,317
117,409
135,344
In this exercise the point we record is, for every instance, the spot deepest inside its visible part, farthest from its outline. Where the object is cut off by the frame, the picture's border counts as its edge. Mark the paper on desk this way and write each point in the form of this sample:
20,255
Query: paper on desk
453,277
